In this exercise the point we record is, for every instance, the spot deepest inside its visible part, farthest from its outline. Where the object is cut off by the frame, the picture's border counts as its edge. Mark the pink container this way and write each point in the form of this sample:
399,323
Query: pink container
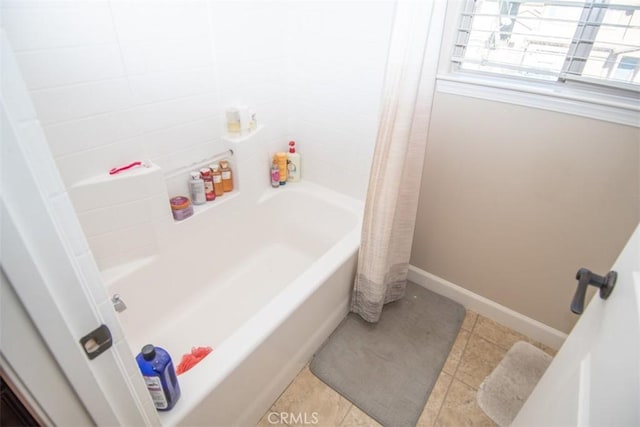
181,207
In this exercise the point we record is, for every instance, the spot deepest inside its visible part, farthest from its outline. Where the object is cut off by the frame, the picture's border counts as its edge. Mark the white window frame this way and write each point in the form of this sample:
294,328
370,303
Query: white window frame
571,97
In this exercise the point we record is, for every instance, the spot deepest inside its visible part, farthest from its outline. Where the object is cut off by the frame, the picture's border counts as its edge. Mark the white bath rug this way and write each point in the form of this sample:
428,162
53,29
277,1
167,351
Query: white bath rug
504,391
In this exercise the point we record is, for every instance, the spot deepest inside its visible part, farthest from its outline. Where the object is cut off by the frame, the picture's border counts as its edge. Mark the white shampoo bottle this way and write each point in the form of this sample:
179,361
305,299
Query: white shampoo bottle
293,163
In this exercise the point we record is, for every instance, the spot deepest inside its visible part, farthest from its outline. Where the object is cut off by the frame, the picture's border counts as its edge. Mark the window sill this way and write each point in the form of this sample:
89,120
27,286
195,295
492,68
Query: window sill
567,100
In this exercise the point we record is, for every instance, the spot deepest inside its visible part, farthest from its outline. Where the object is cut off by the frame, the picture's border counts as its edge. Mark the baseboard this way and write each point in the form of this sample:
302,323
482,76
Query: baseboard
501,314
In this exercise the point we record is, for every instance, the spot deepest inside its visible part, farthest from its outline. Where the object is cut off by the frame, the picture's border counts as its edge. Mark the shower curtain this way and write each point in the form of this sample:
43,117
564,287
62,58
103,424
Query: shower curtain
394,182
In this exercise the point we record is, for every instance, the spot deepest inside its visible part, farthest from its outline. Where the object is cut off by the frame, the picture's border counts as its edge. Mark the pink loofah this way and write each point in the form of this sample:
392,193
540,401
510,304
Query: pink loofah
189,360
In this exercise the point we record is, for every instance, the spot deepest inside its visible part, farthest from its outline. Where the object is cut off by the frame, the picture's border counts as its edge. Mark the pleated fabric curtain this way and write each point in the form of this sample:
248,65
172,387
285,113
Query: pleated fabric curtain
396,170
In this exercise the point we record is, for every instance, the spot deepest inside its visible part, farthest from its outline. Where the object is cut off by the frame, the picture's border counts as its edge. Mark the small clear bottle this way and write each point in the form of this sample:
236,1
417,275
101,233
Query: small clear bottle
205,174
217,180
233,121
196,189
227,178
275,174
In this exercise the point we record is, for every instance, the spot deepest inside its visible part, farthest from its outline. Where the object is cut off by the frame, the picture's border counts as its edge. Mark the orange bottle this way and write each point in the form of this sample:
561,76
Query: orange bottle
281,157
217,180
227,178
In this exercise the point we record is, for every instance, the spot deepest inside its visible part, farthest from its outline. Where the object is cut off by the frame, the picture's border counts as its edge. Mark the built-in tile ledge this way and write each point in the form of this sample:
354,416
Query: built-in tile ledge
219,201
134,172
242,137
104,190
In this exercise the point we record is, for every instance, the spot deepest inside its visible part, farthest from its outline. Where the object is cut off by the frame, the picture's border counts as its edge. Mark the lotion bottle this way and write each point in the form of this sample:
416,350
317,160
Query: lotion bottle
196,188
293,163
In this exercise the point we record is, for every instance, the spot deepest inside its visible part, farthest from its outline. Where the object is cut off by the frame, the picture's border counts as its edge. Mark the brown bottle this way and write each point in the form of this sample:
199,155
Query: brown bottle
227,178
217,180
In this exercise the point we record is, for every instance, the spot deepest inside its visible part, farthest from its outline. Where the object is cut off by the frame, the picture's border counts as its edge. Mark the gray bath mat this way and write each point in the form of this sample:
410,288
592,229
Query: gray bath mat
504,391
388,368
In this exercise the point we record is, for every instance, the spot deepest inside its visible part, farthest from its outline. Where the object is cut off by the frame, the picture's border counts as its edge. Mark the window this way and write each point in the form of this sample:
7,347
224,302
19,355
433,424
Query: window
593,42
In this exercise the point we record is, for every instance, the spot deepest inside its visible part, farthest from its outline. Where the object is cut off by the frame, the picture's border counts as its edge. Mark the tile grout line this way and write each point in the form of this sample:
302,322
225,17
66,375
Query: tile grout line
453,377
464,349
486,340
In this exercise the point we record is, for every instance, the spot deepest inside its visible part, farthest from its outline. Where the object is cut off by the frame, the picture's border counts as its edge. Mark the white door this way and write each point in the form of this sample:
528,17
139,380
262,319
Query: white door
46,260
595,377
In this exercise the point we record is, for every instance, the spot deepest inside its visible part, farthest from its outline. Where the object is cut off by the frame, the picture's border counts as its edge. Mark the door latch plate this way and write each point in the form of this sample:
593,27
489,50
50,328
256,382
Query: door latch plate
96,342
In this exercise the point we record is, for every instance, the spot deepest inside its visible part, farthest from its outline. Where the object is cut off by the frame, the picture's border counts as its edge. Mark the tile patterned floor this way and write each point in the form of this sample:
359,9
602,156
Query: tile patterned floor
479,347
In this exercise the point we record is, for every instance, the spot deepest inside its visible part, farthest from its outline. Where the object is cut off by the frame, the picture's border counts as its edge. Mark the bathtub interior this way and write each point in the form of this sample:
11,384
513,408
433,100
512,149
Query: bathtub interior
246,375
228,265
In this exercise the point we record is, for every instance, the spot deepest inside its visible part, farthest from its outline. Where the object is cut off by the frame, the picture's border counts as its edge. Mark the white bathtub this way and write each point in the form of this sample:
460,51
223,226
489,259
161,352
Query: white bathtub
263,283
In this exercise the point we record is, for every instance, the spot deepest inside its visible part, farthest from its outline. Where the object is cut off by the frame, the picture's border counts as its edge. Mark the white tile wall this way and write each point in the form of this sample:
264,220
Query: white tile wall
174,112
50,24
169,140
149,56
62,103
158,86
69,65
114,81
138,20
91,132
336,61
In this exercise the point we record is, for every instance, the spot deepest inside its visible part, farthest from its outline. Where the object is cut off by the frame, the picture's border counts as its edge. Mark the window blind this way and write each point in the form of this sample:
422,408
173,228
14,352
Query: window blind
596,42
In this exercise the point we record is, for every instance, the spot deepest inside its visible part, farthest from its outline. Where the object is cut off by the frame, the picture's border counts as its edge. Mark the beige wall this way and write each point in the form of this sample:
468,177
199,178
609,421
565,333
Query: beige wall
514,200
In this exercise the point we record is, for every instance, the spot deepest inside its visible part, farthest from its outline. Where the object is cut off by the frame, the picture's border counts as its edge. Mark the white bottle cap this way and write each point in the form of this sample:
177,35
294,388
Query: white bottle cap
195,175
